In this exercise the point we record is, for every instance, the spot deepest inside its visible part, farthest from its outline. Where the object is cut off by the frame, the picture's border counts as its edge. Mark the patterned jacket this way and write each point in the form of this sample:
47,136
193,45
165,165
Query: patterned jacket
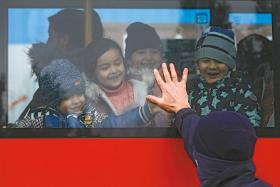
229,94
46,117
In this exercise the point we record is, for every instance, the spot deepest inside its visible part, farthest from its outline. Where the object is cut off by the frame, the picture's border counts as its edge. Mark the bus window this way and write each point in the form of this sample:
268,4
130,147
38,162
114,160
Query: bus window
177,35
254,36
26,26
73,65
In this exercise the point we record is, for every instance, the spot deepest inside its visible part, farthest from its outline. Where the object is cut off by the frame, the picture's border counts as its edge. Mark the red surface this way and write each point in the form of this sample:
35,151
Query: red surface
112,163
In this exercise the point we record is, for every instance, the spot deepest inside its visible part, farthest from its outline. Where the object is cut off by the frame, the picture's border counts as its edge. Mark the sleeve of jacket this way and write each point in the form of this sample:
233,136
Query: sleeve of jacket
186,121
138,117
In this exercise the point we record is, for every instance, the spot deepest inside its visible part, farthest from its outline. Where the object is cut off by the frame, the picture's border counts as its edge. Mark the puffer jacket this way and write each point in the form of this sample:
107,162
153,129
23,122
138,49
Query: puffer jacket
229,94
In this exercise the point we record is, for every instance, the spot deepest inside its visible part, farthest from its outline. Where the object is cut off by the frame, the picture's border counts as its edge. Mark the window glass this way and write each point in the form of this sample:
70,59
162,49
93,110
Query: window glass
77,68
166,38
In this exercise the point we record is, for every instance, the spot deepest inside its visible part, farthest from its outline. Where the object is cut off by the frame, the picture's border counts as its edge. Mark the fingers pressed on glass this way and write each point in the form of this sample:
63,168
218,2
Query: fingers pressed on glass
151,99
173,72
185,75
166,73
158,78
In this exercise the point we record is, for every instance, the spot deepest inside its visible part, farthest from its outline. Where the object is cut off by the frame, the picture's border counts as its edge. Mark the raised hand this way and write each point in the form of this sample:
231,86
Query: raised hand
174,95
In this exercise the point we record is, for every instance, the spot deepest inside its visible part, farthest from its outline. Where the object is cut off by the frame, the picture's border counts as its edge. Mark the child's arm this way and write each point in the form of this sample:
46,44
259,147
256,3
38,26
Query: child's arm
35,118
28,122
138,117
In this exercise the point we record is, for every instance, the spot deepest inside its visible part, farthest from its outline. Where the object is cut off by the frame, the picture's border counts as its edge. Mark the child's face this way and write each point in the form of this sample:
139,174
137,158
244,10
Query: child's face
73,104
211,70
110,70
145,57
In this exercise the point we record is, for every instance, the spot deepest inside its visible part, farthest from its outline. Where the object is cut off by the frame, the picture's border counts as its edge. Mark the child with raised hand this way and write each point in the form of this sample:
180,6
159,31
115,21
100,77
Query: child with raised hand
63,89
217,88
221,144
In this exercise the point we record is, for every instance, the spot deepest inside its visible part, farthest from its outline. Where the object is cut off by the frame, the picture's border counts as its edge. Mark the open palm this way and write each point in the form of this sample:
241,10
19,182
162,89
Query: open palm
174,95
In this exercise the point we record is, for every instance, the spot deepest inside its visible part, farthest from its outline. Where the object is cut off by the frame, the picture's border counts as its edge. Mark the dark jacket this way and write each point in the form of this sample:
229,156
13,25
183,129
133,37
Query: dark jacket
214,172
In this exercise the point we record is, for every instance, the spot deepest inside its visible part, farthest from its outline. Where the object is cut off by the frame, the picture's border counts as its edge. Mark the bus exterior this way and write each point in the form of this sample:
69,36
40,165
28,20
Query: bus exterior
132,156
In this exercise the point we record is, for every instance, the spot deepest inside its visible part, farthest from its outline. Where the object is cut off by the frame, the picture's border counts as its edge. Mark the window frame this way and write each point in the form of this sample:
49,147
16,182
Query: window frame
125,132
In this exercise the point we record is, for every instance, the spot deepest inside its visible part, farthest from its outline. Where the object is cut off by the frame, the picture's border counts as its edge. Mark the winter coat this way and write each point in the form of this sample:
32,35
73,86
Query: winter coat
46,117
265,94
229,94
40,55
140,90
103,104
39,114
214,172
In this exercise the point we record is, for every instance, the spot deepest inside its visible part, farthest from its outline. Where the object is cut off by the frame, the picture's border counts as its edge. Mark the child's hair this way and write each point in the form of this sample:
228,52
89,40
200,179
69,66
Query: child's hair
94,51
59,80
218,44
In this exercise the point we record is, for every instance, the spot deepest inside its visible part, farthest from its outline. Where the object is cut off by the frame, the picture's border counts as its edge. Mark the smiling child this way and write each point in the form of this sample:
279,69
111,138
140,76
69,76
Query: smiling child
217,88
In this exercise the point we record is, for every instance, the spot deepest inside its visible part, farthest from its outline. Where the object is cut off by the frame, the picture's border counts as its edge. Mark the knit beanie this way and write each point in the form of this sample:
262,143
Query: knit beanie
140,36
60,79
218,44
225,135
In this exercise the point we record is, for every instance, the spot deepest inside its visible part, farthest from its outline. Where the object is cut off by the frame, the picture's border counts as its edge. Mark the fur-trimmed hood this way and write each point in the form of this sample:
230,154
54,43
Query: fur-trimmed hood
95,93
41,54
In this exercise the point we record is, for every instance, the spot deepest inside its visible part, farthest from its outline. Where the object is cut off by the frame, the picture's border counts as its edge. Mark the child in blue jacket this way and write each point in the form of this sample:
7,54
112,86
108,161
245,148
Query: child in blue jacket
221,144
63,89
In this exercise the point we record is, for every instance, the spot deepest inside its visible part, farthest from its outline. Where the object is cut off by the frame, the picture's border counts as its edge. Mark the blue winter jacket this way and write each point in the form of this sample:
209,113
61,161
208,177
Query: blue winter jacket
137,117
46,117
